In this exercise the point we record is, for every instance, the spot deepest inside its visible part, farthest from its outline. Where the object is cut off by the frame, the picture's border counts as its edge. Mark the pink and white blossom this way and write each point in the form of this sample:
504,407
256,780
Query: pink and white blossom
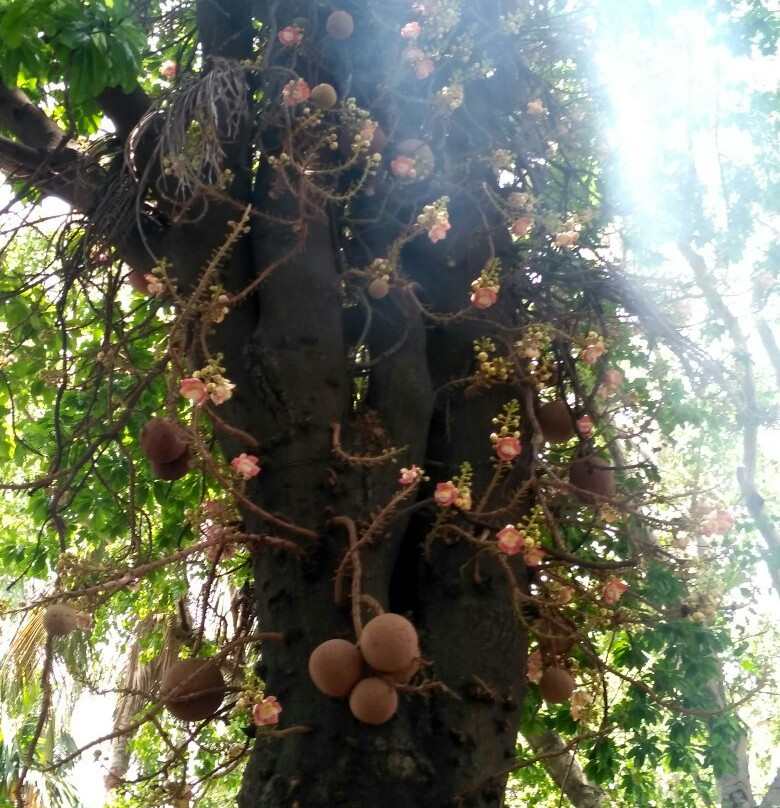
266,712
168,69
591,354
508,448
403,166
483,297
220,389
411,30
535,107
154,285
533,556
510,540
438,230
423,68
410,476
585,426
445,494
289,36
717,523
246,465
193,390
534,667
521,227
613,590
296,91
580,700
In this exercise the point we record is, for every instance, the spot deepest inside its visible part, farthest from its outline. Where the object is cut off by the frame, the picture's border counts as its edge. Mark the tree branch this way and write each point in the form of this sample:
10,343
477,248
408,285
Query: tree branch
57,172
123,109
564,768
772,796
23,119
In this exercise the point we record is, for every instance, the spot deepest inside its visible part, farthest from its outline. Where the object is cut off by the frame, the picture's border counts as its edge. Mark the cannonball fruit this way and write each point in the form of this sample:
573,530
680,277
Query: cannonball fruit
592,475
555,421
556,685
163,440
323,96
555,637
175,469
60,619
340,25
389,643
196,689
378,288
137,280
335,666
373,701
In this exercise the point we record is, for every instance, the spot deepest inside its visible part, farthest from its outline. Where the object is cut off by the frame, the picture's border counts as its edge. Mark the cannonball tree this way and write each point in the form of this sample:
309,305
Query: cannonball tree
335,329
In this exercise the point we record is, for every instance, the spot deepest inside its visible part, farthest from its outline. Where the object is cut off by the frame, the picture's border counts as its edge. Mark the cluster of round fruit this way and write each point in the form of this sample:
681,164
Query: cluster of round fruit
590,475
166,445
557,636
389,647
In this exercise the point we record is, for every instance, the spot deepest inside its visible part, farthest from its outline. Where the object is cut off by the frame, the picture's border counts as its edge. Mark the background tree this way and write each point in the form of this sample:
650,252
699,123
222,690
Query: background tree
385,310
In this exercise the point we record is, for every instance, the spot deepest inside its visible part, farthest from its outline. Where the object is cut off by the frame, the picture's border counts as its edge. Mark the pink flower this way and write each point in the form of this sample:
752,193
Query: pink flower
153,284
193,390
266,712
565,594
585,426
412,54
483,297
438,230
718,523
613,590
410,476
592,353
534,667
290,36
510,540
580,700
533,556
246,465
222,390
535,107
566,238
521,226
423,68
168,69
611,382
295,92
411,30
403,166
508,448
83,620
445,494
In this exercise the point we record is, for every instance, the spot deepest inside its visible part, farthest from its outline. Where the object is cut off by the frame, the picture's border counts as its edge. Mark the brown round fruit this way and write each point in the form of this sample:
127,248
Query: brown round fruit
163,440
556,637
196,689
389,643
556,685
174,470
324,96
335,667
340,25
373,701
592,475
555,421
378,288
60,619
137,280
